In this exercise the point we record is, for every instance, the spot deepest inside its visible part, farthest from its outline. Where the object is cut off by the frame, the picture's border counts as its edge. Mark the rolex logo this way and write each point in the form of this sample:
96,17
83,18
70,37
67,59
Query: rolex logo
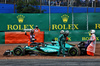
20,18
65,18
89,33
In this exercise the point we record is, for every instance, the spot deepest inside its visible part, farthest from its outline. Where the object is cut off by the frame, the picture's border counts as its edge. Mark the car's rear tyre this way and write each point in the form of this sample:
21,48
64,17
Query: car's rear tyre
73,51
18,51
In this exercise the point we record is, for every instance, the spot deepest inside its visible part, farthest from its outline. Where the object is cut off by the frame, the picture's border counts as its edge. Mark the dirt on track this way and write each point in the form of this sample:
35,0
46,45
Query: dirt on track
3,48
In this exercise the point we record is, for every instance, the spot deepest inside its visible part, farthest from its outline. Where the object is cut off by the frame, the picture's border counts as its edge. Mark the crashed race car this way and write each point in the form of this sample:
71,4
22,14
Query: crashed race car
48,49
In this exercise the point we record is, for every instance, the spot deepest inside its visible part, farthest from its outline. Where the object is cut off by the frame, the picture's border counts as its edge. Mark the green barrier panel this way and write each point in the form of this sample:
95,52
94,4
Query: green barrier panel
18,22
80,35
64,21
61,21
2,37
81,21
94,21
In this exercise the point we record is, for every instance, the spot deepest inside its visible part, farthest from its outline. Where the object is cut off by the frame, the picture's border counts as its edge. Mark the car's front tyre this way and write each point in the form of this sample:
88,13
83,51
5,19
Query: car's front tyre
18,51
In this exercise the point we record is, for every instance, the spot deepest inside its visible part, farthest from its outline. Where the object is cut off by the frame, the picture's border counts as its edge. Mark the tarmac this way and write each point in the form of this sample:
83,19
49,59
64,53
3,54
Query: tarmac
50,62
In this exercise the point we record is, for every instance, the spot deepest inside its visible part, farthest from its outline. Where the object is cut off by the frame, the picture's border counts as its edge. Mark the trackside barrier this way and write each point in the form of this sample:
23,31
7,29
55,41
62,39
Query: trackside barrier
47,36
76,35
20,37
2,37
61,21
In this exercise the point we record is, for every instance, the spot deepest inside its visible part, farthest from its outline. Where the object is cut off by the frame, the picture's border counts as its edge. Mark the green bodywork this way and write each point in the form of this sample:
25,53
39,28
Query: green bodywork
48,48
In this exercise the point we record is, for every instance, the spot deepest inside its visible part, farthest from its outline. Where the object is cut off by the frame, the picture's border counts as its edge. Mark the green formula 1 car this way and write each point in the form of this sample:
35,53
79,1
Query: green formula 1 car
47,49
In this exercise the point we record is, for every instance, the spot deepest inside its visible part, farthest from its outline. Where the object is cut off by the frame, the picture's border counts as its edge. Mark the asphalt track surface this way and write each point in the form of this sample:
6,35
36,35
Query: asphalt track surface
50,62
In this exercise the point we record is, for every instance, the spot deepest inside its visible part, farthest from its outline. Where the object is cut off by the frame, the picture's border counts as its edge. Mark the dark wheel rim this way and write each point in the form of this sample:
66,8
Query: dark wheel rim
18,52
73,52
